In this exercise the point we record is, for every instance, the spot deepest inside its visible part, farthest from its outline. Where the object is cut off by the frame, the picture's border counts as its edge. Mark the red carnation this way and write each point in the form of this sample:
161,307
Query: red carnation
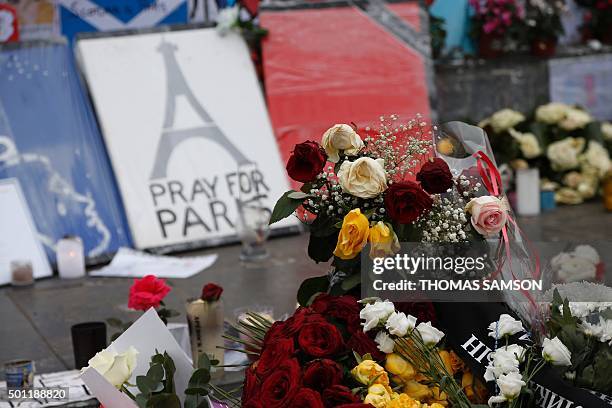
280,387
147,292
405,201
307,398
435,176
355,405
273,355
211,292
306,162
338,395
322,374
320,339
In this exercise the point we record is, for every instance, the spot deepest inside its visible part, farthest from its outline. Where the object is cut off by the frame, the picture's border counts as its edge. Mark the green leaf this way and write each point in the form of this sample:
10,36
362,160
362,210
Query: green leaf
351,282
204,361
156,373
200,378
166,400
284,207
310,287
321,249
141,400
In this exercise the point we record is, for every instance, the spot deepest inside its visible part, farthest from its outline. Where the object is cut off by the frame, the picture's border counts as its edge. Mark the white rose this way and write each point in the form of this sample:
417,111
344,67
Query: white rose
429,334
568,196
338,138
505,326
385,342
399,324
572,179
555,352
505,119
115,367
528,143
598,157
510,385
375,313
575,119
606,130
364,178
605,330
551,113
564,153
576,270
587,252
227,19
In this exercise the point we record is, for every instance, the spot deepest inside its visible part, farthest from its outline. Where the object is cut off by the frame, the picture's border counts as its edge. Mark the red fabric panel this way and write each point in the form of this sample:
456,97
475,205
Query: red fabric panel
327,66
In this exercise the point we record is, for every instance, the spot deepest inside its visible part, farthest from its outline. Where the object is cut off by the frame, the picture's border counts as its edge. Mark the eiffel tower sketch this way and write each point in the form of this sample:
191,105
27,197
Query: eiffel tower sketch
177,86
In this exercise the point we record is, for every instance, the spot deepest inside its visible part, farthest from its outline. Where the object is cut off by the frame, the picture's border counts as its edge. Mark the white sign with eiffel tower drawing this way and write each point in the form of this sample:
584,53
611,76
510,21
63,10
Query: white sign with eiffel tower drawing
187,131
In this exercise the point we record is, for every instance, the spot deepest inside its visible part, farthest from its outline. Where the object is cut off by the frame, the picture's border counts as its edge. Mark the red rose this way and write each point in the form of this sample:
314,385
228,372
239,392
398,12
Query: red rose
307,398
251,385
339,307
338,395
355,405
405,201
322,374
274,353
290,327
320,339
423,311
252,404
147,292
306,162
211,292
362,344
435,176
280,387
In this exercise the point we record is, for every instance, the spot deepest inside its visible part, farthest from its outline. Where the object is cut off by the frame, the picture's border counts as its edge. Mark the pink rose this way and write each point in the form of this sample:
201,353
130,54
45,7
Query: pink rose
489,215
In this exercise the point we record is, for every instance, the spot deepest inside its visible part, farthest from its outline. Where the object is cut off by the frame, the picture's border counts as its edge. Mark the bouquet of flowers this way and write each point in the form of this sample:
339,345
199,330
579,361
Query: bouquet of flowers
570,148
544,26
498,26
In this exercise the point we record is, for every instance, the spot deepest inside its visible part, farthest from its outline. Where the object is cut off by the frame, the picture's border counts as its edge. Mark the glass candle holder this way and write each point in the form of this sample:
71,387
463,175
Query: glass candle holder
70,258
205,320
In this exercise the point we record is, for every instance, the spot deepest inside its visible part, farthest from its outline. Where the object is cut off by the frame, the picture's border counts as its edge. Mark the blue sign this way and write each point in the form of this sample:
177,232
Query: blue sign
79,16
49,140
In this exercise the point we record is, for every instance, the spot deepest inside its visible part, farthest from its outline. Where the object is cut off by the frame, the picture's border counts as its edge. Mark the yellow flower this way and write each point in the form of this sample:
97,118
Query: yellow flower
396,365
378,396
437,394
417,391
353,235
456,363
403,401
434,405
383,241
369,372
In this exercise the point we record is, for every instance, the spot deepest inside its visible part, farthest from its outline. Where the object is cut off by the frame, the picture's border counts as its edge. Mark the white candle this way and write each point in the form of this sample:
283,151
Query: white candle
528,191
70,258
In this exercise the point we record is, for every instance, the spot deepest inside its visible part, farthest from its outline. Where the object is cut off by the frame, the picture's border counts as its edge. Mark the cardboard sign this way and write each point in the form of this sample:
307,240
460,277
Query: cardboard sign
18,237
59,157
79,16
187,131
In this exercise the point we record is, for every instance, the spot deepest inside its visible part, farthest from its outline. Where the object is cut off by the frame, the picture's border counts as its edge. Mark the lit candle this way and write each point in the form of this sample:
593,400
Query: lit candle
70,258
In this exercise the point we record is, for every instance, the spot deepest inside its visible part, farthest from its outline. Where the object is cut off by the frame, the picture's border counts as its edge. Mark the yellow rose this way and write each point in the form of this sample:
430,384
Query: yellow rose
395,364
364,178
403,401
341,137
467,383
378,396
353,235
417,391
383,241
368,372
448,362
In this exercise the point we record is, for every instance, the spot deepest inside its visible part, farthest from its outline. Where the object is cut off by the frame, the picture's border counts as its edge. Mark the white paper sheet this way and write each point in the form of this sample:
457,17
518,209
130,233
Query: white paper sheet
130,263
148,335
